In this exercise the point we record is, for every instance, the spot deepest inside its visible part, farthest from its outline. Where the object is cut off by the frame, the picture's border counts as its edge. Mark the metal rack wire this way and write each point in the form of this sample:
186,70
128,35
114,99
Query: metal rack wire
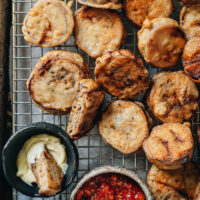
92,150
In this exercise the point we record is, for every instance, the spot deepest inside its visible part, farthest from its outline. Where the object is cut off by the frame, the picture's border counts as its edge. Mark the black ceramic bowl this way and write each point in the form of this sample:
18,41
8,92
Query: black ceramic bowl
15,143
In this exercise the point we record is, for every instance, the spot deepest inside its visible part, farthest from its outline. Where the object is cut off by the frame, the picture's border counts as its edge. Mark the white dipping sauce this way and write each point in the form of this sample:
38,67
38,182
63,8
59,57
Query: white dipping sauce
32,149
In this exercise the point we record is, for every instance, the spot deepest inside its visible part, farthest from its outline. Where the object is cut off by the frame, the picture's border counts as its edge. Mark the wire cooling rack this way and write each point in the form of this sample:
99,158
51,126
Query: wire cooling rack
93,151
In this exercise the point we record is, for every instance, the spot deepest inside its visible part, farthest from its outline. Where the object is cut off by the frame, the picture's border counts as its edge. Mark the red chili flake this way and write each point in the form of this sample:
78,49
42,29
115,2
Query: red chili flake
110,186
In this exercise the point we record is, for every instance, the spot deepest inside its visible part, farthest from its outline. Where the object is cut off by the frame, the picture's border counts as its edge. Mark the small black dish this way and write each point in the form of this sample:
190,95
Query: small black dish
15,143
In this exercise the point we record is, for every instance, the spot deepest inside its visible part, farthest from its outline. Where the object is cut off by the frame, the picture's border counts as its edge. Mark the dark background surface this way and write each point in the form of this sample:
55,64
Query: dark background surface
5,109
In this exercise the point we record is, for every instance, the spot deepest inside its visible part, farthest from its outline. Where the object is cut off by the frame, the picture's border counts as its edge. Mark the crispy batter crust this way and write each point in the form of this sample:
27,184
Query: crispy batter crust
161,42
98,30
190,20
173,185
166,184
121,74
139,10
124,126
173,97
106,4
53,84
49,23
169,146
191,59
191,178
197,192
189,1
84,108
159,74
149,119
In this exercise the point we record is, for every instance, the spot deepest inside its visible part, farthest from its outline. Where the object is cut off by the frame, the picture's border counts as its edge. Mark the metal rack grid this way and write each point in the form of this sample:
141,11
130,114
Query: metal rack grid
92,150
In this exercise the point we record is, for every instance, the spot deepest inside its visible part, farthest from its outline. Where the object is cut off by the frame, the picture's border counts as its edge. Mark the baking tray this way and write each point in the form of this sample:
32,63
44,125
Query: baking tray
93,151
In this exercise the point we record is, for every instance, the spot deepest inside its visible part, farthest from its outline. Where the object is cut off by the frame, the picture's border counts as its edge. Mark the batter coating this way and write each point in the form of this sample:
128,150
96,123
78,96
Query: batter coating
169,146
161,42
48,23
197,192
124,126
189,1
84,108
191,59
106,4
173,184
121,74
166,184
98,30
190,20
173,97
149,119
191,179
53,84
139,10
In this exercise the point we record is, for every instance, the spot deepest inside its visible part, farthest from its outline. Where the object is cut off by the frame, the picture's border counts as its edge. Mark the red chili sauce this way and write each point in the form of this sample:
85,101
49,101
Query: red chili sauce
110,186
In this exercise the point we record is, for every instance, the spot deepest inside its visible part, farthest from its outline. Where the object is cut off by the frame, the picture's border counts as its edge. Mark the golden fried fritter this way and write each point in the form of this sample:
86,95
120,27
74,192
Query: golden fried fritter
84,108
53,84
139,10
191,59
106,4
174,184
170,146
161,42
49,23
124,126
98,30
173,97
190,20
121,74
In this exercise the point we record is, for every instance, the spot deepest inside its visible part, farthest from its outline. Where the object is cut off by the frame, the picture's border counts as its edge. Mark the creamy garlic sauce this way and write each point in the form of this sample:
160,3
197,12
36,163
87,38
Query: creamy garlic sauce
32,149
